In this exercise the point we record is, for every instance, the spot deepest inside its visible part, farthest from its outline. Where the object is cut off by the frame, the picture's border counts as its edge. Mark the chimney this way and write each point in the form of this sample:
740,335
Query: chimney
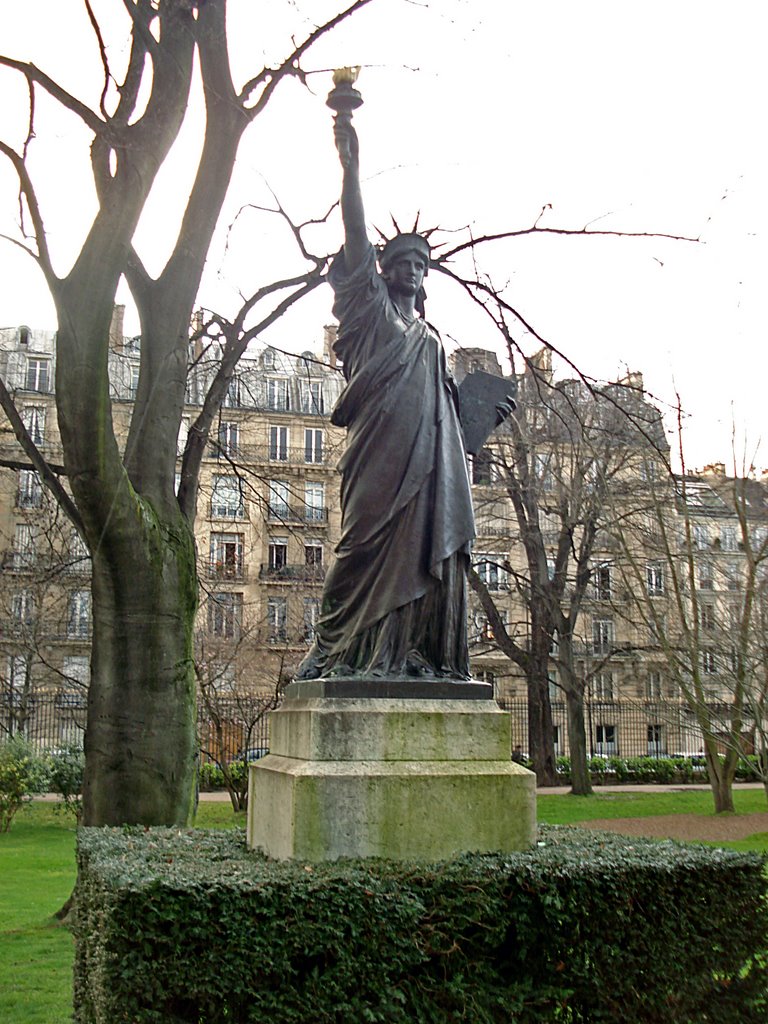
634,380
330,332
116,339
714,469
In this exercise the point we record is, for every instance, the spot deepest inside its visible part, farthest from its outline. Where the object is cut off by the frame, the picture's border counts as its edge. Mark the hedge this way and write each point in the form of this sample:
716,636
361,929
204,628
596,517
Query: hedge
189,926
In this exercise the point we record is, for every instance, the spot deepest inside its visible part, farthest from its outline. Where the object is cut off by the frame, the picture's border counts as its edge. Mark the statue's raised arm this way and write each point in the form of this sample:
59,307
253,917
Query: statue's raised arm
352,212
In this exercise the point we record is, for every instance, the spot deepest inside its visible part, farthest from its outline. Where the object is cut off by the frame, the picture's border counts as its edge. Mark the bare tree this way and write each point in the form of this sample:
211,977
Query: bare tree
694,565
140,741
565,450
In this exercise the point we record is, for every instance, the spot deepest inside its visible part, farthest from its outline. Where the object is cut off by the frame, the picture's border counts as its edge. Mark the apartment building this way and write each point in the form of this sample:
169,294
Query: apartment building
268,518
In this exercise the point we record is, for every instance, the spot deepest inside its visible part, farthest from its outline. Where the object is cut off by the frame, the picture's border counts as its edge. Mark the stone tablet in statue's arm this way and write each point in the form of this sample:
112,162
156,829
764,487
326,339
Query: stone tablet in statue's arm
480,397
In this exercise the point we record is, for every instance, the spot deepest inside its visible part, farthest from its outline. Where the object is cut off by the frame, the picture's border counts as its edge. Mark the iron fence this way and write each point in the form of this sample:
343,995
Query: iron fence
235,727
238,729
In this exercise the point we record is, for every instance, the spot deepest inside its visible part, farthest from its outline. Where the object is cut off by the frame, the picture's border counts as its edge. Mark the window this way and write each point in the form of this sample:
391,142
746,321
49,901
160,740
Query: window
601,579
656,744
23,546
133,386
30,489
655,579
706,582
311,615
550,568
490,570
653,685
483,628
733,575
313,445
23,608
605,740
482,468
229,437
225,615
268,359
649,470
728,539
226,555
602,686
278,444
707,616
558,740
33,418
38,377
700,536
708,662
277,619
278,397
602,636
313,556
542,471
277,499
314,500
19,667
76,670
79,614
312,397
278,553
232,399
227,498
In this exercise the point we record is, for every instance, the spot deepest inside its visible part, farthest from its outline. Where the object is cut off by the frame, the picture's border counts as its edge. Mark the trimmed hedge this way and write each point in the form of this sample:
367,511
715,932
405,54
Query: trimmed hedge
659,770
189,926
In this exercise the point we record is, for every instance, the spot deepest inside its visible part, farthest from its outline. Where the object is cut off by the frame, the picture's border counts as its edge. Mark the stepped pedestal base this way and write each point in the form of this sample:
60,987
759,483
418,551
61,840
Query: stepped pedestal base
395,777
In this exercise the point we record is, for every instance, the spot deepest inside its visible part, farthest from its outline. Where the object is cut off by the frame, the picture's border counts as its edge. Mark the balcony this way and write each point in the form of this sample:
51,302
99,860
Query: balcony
292,573
267,455
222,572
297,514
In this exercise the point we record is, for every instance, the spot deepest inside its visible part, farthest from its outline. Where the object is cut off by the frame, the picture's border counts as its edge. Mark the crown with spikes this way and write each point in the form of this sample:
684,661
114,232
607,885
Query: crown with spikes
403,241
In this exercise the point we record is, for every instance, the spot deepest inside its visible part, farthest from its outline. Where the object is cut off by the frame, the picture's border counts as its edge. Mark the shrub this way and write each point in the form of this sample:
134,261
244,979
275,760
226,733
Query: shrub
65,768
182,925
22,773
210,777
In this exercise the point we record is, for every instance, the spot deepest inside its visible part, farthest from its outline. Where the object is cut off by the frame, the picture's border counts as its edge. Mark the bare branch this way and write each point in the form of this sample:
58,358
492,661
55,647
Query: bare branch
103,53
66,99
27,188
47,475
269,77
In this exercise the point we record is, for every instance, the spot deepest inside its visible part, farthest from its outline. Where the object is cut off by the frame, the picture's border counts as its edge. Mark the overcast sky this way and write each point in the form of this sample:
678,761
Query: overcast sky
637,117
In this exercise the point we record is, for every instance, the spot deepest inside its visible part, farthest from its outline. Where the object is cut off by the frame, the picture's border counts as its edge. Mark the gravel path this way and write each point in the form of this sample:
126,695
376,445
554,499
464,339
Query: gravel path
684,826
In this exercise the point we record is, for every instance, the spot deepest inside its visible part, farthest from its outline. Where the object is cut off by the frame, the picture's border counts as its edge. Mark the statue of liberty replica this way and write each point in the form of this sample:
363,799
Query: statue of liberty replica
394,603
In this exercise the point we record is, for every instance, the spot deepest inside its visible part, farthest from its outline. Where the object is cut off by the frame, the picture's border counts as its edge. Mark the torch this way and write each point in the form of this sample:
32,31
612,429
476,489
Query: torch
343,97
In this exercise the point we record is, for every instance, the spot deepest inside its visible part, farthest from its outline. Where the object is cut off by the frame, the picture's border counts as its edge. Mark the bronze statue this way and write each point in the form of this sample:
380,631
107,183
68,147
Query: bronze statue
394,602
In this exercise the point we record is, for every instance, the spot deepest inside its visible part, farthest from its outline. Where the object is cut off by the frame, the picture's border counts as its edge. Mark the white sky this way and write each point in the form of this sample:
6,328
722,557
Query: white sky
631,116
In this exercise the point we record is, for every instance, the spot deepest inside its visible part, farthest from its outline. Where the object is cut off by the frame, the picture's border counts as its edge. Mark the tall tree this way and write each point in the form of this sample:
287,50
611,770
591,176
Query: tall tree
140,740
694,566
568,448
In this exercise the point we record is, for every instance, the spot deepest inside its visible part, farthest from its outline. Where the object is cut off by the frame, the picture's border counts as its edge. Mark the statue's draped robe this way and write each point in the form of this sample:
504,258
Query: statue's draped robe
394,601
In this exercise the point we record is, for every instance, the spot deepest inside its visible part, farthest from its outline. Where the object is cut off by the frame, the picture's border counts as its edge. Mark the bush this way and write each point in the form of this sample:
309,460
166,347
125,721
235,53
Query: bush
210,777
22,773
177,925
65,770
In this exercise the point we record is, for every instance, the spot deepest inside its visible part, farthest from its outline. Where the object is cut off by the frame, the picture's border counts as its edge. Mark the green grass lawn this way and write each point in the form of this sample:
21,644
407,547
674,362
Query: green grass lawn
37,872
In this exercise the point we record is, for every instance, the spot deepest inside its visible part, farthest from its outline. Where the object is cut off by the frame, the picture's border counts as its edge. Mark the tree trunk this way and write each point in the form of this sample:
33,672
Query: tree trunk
140,740
581,783
541,735
721,782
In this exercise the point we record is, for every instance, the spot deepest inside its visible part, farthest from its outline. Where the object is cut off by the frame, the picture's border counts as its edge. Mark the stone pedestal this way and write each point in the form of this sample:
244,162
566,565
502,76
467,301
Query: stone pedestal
396,777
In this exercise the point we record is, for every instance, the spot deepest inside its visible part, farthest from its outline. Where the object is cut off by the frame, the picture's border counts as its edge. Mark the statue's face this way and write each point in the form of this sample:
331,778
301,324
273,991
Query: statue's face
405,274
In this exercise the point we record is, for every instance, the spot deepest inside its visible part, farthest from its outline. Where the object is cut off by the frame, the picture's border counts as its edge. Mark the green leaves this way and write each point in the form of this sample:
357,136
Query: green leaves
187,925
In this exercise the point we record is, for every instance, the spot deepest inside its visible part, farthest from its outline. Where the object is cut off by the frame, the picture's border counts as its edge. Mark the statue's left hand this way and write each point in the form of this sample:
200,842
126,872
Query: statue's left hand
504,409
